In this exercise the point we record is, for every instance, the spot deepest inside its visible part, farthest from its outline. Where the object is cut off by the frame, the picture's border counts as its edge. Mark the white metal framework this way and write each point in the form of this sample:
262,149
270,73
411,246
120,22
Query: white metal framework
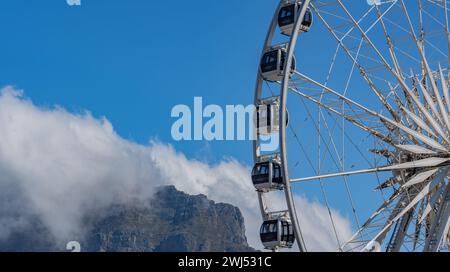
369,89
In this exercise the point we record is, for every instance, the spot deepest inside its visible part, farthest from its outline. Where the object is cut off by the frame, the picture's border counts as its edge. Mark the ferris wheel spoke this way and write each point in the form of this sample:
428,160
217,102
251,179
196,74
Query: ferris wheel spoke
416,149
388,40
335,100
321,95
426,66
398,75
431,203
417,228
439,3
429,101
420,177
424,41
444,86
361,69
363,111
419,122
355,119
436,126
423,163
341,174
340,156
415,196
434,19
400,214
447,30
372,45
421,27
441,224
415,236
337,162
401,107
442,114
373,224
400,234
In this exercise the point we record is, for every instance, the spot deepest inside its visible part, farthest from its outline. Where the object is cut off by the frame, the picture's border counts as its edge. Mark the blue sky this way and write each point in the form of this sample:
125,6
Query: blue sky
132,61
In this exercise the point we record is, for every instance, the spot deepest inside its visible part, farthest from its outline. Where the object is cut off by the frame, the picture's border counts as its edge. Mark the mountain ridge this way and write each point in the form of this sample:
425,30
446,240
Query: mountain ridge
170,221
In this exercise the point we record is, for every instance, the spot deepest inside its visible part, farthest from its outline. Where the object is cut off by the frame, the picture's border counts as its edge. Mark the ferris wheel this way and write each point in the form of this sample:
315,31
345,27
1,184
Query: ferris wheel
368,126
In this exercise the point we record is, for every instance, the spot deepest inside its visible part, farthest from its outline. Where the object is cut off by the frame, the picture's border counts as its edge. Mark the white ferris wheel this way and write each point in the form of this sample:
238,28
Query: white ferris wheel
368,126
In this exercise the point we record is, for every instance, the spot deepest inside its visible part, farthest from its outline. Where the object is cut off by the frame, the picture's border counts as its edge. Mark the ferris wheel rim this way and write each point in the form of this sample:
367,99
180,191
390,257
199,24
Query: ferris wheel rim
283,146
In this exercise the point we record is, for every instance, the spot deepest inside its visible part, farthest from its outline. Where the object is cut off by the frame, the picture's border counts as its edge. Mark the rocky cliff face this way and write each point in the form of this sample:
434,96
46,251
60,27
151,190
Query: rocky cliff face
171,221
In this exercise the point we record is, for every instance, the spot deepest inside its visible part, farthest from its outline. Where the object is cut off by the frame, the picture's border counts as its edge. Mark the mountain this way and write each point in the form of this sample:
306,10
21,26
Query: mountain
170,221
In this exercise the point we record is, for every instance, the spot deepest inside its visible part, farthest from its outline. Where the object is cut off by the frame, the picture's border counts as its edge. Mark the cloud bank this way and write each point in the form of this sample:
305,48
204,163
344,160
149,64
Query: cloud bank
59,166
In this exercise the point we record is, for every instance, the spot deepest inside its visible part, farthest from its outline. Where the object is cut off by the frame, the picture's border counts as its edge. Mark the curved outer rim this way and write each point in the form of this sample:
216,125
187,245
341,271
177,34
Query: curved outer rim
282,120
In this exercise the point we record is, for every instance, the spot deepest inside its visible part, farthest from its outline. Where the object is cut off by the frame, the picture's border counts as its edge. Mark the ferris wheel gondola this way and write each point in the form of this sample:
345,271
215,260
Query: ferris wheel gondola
288,15
273,63
277,233
266,176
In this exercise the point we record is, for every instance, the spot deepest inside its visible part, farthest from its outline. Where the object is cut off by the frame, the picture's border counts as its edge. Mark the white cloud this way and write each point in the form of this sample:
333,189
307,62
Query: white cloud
59,165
